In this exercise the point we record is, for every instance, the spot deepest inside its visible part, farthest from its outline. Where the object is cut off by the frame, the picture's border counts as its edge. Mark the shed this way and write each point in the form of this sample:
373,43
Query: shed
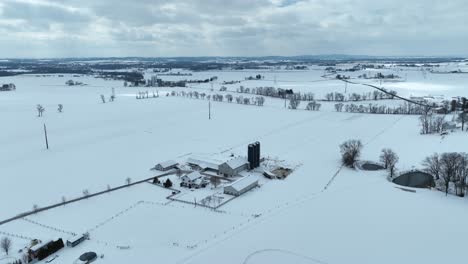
241,186
204,164
166,165
75,240
269,174
233,167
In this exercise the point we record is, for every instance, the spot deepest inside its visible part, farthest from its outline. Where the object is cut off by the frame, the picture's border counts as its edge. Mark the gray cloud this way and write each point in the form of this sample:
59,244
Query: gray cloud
241,27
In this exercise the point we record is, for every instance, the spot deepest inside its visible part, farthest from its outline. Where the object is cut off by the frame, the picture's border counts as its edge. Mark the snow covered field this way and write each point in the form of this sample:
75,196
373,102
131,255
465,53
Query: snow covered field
319,214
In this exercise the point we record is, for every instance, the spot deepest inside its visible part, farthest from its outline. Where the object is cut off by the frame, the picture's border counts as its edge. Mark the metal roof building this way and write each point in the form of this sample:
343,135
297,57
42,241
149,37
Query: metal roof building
233,167
241,186
166,165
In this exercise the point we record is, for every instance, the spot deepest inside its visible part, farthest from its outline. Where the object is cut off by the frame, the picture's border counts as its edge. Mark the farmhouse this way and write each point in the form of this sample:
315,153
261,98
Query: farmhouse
193,179
241,186
233,167
166,165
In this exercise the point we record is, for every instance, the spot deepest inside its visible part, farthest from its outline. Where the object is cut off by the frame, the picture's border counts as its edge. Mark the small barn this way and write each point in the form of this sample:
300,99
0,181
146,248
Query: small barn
241,186
76,240
233,167
166,165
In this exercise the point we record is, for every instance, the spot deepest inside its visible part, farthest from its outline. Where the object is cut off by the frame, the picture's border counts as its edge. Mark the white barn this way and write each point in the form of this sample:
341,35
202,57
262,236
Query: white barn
233,167
241,186
166,165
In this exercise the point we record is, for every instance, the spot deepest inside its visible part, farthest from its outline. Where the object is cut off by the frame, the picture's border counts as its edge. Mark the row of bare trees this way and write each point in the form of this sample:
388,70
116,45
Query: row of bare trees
431,123
449,167
41,109
277,92
376,95
258,100
403,109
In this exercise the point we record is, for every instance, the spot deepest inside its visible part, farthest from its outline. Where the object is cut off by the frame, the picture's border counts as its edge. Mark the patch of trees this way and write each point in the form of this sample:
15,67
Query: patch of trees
257,100
203,81
167,183
379,75
313,106
277,93
451,167
256,77
403,109
376,95
431,123
350,152
294,103
141,95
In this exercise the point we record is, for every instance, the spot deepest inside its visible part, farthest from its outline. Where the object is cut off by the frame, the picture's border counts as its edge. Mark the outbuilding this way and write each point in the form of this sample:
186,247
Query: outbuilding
241,186
233,167
204,164
167,165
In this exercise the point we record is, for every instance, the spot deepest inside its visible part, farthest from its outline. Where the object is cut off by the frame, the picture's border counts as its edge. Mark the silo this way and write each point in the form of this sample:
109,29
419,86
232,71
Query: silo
257,154
251,156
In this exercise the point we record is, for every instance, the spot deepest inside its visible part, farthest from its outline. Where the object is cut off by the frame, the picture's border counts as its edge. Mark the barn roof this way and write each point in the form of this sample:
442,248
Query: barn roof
167,163
237,162
242,183
204,163
193,175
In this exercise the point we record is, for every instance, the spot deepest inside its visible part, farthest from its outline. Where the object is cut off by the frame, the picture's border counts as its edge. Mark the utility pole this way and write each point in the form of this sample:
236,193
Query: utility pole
45,134
209,109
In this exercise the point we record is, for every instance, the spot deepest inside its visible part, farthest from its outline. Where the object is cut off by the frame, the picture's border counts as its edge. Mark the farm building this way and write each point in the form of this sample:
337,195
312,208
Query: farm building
204,164
75,240
233,167
241,186
193,179
166,165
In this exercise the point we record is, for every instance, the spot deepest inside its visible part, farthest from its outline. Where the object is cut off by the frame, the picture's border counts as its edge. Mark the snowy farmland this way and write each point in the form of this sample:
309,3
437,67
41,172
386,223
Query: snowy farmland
321,213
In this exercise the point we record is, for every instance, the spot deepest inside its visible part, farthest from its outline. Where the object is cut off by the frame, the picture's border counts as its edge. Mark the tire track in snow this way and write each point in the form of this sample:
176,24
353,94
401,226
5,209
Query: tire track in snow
246,261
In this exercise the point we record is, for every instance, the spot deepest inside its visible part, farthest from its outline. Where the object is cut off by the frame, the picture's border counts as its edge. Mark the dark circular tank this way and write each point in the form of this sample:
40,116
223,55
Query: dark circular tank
416,179
88,257
371,167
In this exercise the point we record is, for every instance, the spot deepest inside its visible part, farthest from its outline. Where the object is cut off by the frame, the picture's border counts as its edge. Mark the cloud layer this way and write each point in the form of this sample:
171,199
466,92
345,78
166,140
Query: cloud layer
77,28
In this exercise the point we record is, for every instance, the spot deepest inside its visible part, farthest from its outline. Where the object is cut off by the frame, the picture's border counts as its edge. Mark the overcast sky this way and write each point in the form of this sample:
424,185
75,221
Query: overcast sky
152,28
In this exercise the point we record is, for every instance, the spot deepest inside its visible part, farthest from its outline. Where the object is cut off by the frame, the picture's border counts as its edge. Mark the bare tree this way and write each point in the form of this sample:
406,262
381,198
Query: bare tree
60,108
85,193
40,110
449,163
35,207
339,107
350,152
294,103
462,118
5,244
64,199
128,180
432,165
103,99
389,159
215,181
